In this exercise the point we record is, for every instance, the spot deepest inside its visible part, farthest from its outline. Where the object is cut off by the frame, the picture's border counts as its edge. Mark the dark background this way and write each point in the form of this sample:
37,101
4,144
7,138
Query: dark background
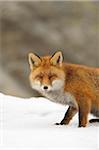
43,28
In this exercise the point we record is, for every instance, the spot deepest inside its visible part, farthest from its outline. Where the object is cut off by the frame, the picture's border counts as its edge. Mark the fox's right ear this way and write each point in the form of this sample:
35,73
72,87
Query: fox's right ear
34,60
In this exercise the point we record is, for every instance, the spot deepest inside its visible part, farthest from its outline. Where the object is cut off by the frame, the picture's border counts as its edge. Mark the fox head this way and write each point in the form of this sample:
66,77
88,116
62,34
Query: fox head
46,73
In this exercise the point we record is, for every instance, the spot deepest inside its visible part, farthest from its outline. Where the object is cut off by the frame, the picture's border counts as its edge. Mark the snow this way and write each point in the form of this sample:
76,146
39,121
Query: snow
30,124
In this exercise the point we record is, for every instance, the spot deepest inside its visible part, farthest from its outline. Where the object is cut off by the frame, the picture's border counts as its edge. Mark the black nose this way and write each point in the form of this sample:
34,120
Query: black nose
45,87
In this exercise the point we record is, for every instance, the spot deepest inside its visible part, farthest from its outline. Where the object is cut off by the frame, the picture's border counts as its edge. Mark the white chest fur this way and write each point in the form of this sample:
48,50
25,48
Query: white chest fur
61,97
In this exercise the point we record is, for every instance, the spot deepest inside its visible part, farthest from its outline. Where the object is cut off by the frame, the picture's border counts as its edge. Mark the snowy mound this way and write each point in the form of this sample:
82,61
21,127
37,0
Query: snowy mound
30,123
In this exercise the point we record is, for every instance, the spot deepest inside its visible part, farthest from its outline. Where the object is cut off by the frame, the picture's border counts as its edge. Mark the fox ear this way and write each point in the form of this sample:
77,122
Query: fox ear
34,60
57,58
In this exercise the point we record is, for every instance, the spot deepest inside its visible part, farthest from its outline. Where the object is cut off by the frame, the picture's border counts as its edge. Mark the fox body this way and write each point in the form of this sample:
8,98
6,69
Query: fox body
67,84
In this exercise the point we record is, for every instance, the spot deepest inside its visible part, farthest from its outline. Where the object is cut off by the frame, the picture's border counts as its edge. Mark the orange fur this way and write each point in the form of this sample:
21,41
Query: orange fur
80,81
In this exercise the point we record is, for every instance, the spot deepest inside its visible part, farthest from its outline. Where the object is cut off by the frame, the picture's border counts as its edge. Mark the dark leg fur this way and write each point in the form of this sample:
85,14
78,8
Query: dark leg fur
68,116
93,120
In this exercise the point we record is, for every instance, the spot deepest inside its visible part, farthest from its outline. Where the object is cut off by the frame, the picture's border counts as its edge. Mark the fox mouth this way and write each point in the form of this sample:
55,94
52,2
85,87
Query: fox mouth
41,88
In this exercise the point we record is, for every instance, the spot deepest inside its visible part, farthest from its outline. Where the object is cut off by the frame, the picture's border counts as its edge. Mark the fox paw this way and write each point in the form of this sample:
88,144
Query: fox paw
61,123
81,125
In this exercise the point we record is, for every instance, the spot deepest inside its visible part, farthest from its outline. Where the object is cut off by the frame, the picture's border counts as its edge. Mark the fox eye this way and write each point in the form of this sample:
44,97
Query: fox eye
39,76
52,76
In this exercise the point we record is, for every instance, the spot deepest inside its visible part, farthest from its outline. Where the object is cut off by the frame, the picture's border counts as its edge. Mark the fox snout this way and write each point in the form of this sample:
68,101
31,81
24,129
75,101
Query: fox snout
42,87
46,88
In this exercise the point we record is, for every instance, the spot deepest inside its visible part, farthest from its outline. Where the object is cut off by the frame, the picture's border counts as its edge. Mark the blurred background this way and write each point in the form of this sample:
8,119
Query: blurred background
44,27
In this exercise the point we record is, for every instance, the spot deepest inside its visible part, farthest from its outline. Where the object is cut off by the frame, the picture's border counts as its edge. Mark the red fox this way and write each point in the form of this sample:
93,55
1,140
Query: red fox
67,84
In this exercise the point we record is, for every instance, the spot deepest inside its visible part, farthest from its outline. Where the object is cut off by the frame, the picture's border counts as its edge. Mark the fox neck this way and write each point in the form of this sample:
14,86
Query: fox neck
61,97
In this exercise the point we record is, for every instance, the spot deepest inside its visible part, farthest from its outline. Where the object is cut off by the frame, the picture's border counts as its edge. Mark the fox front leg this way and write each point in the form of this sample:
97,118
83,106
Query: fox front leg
68,116
84,110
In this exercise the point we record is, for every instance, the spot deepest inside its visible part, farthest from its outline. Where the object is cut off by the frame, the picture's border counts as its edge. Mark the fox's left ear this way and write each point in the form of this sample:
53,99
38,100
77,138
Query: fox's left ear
57,58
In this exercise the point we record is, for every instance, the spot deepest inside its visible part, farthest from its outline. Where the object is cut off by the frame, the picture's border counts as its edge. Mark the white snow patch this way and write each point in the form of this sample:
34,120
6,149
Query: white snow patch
29,123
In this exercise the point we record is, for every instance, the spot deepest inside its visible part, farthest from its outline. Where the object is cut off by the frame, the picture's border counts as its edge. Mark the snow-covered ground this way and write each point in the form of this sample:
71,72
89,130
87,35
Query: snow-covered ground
29,123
